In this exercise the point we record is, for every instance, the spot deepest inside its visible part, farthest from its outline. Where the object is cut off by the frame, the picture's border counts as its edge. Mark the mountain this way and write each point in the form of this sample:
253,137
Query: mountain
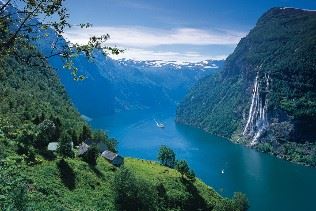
118,85
265,96
29,91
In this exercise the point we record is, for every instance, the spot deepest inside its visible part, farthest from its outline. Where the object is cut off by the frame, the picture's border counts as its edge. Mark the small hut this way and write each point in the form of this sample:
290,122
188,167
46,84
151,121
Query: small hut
112,157
52,146
83,148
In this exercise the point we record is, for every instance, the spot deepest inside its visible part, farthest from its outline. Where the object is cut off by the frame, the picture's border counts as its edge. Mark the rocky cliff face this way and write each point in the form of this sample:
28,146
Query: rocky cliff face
266,92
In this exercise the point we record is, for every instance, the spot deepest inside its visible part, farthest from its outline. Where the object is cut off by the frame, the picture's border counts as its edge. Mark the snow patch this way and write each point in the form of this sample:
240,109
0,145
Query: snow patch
308,10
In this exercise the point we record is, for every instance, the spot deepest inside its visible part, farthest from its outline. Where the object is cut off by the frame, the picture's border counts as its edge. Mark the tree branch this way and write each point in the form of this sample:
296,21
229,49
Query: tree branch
5,5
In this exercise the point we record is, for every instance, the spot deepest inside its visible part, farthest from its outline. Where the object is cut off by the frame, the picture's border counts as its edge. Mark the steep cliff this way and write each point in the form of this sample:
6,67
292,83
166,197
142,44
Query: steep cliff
266,93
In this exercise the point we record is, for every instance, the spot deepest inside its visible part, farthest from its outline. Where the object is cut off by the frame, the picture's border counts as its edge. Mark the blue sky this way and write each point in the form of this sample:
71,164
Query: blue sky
181,30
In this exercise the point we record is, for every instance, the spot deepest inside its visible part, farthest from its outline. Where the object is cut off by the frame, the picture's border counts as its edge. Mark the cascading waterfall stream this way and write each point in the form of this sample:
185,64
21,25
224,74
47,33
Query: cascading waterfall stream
257,120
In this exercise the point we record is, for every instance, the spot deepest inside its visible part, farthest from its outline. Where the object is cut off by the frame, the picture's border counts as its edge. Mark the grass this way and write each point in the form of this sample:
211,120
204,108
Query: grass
80,187
71,184
155,173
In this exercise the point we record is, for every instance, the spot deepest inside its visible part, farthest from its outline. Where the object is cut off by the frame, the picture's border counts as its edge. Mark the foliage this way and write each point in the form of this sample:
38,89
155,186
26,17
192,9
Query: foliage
74,137
99,136
183,168
28,97
65,146
132,193
102,140
282,46
32,21
67,180
111,145
240,202
46,134
91,155
167,157
86,134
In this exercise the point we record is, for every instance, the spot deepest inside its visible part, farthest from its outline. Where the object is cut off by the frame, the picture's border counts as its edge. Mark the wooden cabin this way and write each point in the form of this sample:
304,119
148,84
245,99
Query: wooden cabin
113,158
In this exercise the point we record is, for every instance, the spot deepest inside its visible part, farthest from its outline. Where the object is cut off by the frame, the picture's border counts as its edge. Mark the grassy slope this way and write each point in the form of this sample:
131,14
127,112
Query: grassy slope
171,179
90,188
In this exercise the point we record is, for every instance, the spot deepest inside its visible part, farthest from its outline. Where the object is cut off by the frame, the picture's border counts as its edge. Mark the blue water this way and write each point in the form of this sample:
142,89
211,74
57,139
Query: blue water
268,182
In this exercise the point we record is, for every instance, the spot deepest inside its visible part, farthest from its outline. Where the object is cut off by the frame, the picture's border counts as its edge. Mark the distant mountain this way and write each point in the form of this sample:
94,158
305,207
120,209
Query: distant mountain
113,86
265,96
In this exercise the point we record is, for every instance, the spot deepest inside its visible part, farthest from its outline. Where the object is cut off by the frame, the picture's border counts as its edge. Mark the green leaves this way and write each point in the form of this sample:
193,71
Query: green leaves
46,15
167,157
183,168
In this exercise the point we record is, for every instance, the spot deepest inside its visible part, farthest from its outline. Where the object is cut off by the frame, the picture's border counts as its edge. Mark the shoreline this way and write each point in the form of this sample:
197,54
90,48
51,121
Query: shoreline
256,147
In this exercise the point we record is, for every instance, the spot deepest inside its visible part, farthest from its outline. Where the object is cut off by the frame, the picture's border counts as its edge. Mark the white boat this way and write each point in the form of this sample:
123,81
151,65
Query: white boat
223,171
159,124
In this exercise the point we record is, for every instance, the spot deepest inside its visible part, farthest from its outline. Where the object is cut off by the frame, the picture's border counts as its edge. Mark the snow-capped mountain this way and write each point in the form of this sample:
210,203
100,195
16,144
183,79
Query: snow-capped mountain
118,85
202,65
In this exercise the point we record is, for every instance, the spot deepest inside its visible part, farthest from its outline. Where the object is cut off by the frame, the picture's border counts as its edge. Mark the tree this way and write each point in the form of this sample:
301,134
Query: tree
85,134
99,136
20,26
240,202
46,134
91,155
191,175
74,137
167,157
58,125
111,145
65,146
182,167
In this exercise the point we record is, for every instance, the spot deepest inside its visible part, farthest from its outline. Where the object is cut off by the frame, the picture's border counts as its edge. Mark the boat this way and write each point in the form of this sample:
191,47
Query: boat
222,171
159,124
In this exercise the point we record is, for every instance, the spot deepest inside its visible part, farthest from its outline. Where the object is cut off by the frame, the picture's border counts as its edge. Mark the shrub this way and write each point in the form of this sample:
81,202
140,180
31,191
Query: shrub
132,193
65,146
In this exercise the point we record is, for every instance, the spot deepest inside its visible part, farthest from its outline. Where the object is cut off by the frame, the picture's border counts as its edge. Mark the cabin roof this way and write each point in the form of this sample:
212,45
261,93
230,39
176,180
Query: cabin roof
52,146
83,147
109,155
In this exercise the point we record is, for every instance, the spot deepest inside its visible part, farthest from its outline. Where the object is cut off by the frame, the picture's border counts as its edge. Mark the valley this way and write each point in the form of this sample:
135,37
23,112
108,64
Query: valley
159,106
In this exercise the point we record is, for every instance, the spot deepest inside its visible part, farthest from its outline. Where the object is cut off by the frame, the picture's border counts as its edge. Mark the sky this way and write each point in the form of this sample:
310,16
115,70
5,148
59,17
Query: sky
171,30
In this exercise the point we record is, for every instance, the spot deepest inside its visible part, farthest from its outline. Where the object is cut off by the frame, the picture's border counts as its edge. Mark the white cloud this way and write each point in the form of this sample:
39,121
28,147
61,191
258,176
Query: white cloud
149,37
141,42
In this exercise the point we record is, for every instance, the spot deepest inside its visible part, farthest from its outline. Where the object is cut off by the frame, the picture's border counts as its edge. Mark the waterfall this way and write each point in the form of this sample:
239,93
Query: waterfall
257,120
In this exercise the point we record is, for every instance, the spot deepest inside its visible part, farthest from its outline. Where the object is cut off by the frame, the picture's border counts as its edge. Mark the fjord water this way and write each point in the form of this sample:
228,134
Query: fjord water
268,182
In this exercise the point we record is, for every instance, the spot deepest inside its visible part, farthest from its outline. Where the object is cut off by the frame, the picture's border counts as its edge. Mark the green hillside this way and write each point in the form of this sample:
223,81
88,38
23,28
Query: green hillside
278,57
87,188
